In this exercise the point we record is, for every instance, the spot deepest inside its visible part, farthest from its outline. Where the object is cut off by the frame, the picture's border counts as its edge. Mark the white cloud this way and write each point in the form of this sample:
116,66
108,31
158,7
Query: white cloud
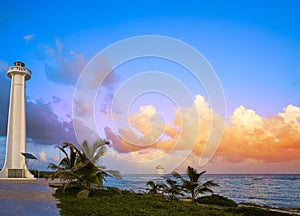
43,156
29,37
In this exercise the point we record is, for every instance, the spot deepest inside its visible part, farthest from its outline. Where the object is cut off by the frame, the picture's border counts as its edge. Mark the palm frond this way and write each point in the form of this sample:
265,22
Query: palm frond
114,173
177,175
85,147
151,183
71,146
210,184
99,153
53,166
203,190
64,151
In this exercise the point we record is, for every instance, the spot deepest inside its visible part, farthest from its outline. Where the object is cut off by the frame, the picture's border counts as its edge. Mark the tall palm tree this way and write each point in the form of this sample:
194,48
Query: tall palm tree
192,185
78,170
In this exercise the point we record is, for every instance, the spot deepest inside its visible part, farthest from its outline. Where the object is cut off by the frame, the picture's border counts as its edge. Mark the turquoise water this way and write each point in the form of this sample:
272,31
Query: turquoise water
270,190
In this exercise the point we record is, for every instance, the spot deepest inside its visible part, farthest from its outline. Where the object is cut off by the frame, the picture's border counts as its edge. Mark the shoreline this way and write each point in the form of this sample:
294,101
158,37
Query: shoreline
289,210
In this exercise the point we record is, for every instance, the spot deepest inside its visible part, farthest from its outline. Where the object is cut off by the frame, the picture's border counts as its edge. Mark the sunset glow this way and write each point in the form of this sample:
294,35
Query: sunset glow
155,109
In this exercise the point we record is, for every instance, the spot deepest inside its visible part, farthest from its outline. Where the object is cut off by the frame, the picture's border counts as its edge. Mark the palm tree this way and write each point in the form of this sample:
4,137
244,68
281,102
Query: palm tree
192,186
78,170
154,188
64,169
172,188
95,153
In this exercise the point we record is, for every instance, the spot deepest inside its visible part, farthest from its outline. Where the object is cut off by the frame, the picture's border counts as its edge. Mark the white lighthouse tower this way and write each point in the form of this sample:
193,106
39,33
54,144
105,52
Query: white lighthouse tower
15,162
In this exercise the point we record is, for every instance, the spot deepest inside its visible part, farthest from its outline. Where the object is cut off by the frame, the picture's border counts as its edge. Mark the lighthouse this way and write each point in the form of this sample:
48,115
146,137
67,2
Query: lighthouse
15,162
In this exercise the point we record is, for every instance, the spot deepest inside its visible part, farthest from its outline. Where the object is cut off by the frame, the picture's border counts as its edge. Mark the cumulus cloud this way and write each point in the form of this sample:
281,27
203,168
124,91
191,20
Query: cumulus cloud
61,66
248,136
270,139
44,126
180,134
43,156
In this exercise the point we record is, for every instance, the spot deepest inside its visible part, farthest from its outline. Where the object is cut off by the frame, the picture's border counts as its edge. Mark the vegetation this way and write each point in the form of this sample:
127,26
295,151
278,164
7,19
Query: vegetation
154,188
83,178
41,174
192,185
116,202
215,199
78,169
172,188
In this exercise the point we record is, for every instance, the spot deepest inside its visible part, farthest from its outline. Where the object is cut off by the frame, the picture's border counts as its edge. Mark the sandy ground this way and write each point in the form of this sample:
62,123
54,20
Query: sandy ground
27,197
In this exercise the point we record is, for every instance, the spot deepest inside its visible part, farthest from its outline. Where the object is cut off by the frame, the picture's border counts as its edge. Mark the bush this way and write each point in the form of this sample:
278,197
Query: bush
71,190
216,200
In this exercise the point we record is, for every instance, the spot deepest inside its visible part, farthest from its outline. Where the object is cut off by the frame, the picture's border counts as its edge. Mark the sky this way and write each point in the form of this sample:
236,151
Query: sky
233,109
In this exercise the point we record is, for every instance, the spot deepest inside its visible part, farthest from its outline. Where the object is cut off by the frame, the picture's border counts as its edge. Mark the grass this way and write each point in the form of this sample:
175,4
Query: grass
116,202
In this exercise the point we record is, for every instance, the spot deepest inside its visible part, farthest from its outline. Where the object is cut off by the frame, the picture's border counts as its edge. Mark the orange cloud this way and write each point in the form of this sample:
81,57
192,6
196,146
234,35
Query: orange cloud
247,137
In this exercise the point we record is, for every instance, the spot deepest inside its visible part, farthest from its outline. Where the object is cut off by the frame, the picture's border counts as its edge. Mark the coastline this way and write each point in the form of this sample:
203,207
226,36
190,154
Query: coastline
273,190
293,211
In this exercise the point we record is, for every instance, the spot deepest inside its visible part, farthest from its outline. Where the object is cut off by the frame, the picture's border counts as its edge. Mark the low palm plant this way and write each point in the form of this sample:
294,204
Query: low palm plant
172,188
192,185
154,188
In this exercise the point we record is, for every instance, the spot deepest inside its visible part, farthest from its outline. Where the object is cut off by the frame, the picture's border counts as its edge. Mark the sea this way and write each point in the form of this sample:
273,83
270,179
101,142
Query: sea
266,190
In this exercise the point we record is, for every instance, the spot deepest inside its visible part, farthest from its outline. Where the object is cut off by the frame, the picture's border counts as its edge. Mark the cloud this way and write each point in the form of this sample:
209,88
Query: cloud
66,69
43,156
104,78
64,66
82,108
248,136
61,66
180,134
83,132
44,126
29,37
4,98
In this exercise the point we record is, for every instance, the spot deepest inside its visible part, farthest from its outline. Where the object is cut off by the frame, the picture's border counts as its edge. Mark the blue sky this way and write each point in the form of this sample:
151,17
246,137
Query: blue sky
253,46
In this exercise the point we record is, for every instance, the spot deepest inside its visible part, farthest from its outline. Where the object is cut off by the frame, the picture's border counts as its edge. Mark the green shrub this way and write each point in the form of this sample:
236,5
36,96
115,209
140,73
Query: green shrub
216,200
254,211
